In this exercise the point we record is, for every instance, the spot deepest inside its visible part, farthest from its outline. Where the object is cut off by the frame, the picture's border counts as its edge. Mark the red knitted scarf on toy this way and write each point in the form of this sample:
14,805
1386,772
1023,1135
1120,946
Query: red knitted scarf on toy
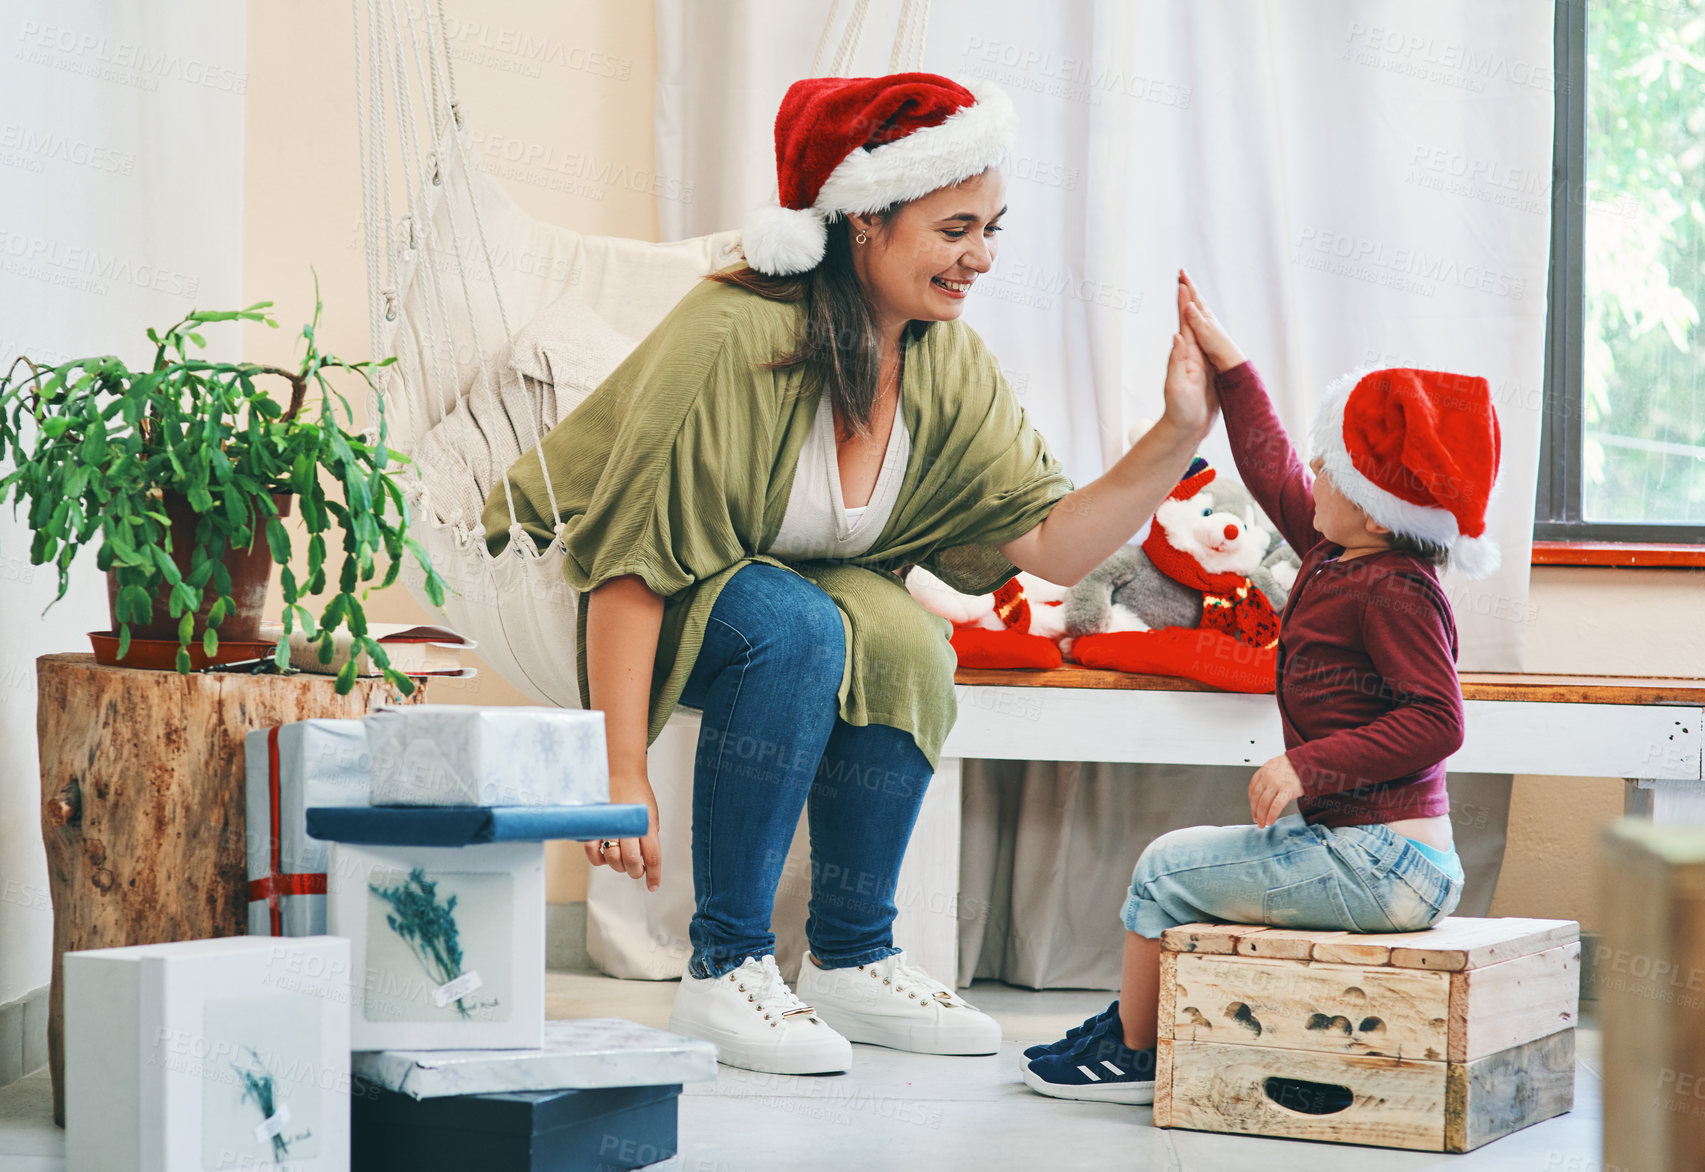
1011,607
1231,603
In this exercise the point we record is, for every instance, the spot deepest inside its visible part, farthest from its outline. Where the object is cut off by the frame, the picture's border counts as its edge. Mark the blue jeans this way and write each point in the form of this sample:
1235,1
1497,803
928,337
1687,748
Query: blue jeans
1291,875
767,678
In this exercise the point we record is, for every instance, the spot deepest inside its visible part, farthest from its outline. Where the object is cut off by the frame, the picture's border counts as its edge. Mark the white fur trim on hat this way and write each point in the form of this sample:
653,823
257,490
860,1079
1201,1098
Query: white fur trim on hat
782,241
966,143
1425,522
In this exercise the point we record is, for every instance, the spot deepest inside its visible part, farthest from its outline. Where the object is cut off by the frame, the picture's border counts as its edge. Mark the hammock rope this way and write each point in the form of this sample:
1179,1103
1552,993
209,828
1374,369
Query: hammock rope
448,282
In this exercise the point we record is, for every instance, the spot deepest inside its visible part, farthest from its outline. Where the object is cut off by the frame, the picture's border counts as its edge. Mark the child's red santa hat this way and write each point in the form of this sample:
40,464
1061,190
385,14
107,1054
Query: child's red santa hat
1417,451
861,144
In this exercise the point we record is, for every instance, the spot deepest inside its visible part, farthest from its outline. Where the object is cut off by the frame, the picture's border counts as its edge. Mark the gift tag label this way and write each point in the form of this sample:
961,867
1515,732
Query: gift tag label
272,1124
457,989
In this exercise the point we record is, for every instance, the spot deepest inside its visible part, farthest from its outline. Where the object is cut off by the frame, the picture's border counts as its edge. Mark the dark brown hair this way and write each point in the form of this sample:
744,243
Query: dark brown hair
839,345
1427,551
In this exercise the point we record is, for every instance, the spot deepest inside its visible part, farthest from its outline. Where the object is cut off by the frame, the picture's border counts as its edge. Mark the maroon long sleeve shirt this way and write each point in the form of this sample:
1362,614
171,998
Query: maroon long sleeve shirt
1367,685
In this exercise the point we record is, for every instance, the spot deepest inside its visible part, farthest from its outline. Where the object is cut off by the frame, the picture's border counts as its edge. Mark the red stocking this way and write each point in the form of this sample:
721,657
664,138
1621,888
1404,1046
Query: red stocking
1209,657
979,647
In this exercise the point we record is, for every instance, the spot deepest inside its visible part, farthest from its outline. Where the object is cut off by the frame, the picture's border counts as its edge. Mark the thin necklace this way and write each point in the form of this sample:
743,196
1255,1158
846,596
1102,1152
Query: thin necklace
899,377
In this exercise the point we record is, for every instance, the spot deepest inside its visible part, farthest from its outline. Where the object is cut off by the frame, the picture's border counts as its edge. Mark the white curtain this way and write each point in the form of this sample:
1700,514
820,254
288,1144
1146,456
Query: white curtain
121,166
1350,183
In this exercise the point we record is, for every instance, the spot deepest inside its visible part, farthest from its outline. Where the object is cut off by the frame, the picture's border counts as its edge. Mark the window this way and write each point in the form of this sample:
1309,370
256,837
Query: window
1623,448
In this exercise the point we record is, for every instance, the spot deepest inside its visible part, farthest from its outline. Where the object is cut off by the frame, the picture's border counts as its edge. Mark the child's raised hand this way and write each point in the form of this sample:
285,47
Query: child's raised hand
1191,401
1216,344
1274,786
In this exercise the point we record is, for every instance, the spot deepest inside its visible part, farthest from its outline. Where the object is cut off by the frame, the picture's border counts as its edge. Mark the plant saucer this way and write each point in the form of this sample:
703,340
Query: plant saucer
162,654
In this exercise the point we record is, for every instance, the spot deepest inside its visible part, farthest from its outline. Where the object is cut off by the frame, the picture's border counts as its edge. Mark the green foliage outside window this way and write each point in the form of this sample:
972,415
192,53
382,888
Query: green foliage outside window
1644,265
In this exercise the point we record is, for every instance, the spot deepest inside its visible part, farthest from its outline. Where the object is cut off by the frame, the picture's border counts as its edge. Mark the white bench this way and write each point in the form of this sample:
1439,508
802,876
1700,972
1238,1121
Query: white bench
1647,731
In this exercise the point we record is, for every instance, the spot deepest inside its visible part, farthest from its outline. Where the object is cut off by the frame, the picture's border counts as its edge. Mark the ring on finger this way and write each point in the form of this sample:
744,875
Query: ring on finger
607,843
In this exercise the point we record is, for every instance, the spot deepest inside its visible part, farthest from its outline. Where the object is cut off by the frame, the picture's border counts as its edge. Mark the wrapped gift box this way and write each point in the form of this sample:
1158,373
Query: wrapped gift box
288,769
588,1054
454,755
227,1053
447,943
445,912
518,1131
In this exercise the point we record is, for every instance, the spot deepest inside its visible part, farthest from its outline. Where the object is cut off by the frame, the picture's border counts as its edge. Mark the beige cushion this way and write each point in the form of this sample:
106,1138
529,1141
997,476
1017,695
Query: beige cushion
570,349
555,361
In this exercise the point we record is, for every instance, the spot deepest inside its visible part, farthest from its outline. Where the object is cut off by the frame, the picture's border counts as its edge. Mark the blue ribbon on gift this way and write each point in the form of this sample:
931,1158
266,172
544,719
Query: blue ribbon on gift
473,825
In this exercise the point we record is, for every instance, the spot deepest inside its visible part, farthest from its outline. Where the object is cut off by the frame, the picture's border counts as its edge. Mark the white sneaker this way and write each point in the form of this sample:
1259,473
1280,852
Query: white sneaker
757,1022
891,1003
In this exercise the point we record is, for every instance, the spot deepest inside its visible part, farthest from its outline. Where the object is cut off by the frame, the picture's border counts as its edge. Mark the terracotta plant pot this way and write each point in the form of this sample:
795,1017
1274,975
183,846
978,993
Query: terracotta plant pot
250,570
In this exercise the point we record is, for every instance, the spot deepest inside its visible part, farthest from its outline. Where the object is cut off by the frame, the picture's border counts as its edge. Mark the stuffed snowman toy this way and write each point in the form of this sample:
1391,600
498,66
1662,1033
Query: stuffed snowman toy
1209,542
1200,598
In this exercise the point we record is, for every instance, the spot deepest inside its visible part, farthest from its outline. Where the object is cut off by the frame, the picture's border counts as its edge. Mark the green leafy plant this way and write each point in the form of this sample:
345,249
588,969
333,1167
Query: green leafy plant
429,927
97,446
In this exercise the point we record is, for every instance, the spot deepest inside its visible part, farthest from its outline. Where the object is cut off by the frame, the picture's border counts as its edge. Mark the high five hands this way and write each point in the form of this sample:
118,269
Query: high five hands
1191,401
1198,323
1200,349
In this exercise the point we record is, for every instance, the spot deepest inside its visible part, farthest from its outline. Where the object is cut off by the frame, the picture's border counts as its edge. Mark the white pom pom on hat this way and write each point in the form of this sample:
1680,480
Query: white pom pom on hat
1475,557
783,241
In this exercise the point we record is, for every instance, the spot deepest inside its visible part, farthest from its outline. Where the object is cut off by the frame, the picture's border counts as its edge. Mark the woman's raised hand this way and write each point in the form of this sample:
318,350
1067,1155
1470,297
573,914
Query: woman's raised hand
1191,401
1216,344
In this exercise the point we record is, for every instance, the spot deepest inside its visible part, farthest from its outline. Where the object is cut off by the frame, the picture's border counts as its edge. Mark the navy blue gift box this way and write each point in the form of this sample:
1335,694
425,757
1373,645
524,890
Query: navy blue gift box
519,1131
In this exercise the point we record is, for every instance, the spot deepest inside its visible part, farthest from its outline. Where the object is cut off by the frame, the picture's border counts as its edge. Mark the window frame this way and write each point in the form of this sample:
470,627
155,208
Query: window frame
1557,505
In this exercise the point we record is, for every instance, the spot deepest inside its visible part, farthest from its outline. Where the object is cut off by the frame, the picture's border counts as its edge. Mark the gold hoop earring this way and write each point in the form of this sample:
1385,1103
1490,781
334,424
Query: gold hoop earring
861,238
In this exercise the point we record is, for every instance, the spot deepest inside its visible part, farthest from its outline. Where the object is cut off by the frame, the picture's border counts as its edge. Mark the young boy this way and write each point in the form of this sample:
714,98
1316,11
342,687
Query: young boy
1367,693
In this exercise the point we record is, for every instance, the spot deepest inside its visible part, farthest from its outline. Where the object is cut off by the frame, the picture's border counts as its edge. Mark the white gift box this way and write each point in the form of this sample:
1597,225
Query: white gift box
287,769
460,755
447,944
586,1054
227,1053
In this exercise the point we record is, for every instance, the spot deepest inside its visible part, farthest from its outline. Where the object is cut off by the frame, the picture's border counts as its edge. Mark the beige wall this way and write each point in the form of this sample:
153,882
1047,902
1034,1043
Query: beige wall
1589,621
301,192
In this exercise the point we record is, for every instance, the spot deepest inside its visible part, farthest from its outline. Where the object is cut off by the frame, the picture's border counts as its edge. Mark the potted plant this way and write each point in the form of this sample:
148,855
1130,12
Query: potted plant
182,473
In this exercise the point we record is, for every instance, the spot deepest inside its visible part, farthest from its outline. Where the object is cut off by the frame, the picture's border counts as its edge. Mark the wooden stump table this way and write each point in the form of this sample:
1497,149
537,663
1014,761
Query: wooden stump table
143,804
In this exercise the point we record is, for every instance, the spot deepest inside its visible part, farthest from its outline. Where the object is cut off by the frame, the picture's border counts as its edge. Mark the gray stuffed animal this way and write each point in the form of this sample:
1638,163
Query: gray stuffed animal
1221,528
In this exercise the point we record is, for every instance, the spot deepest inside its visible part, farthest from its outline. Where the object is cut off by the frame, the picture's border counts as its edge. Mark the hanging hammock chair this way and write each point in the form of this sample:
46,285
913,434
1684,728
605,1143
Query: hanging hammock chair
500,325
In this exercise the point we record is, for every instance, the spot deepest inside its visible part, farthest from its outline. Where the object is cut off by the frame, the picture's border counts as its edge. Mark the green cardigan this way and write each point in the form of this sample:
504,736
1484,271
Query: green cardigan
679,466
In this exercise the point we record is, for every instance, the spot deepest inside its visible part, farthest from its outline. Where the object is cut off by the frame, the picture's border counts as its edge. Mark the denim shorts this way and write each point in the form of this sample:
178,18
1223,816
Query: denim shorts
1290,875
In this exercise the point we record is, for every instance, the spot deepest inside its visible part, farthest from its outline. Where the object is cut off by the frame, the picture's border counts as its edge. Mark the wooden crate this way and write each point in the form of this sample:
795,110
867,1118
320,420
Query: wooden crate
1440,1040
1651,987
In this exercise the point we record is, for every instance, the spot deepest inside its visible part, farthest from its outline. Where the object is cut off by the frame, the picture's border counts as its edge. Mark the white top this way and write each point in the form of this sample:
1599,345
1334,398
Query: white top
818,525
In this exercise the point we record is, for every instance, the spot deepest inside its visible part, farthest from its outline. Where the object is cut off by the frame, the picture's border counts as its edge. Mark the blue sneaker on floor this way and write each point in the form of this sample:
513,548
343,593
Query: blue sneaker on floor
1073,1034
1100,1068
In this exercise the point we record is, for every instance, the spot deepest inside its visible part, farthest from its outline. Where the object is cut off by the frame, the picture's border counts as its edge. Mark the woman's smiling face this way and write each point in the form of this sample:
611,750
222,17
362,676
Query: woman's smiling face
921,263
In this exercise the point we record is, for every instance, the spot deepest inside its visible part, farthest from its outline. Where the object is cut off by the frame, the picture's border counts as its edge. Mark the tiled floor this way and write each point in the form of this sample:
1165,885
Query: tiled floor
898,1110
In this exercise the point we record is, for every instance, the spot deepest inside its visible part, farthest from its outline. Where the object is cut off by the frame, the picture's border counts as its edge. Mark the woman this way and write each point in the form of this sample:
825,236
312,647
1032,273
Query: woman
735,500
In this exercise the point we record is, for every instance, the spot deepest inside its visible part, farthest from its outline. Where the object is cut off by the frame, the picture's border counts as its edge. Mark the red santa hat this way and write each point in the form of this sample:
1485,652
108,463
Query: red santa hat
1417,451
860,144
